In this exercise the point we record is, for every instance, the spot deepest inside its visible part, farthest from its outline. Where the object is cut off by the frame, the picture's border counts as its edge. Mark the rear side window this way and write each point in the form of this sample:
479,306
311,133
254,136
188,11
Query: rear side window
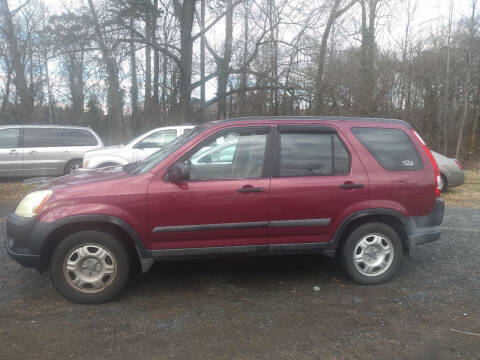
41,137
392,148
78,137
312,154
9,138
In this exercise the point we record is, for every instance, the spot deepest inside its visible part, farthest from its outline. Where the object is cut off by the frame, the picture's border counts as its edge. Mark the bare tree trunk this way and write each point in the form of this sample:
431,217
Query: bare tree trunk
335,13
147,107
366,93
24,112
473,142
133,74
6,95
467,80
114,94
185,13
244,75
447,82
156,55
202,58
224,63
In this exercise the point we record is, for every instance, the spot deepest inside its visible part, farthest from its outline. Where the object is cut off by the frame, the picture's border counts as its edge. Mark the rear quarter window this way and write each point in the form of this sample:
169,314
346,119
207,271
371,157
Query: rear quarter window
392,148
78,137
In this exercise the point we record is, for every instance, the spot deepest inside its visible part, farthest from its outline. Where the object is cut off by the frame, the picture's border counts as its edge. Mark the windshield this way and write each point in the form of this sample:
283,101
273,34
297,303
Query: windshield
157,157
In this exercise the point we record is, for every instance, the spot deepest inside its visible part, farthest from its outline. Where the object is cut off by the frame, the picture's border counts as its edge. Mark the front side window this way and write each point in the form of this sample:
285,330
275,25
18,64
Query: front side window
306,153
9,138
158,139
41,137
222,154
235,154
392,148
78,137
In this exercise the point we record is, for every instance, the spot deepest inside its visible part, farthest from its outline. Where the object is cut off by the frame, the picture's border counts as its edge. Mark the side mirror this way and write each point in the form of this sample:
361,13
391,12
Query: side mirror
179,172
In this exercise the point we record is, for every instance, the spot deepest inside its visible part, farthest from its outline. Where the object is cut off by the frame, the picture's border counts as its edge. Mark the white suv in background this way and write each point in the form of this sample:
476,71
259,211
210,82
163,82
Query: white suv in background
136,150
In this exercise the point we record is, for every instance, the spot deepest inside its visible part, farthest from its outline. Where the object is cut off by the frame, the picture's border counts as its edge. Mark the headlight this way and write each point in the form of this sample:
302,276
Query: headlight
33,203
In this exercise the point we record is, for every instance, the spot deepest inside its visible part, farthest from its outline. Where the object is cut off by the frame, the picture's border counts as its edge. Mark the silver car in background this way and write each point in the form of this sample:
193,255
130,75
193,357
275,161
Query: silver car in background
44,150
451,171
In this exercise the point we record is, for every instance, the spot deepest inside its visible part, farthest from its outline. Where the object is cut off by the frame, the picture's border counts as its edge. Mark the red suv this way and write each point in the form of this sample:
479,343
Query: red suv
366,190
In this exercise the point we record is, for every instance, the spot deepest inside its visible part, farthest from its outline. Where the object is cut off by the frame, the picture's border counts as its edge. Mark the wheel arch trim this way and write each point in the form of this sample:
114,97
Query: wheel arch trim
366,213
144,256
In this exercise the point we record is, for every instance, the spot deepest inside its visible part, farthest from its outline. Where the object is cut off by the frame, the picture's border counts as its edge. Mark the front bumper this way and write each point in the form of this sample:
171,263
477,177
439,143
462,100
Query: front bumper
425,229
24,239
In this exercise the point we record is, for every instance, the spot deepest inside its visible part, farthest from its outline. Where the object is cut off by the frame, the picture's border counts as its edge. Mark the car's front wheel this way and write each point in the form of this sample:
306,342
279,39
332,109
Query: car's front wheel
372,253
73,166
90,267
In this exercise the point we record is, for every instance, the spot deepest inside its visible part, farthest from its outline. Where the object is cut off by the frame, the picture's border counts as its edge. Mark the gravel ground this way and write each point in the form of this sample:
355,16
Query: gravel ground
260,308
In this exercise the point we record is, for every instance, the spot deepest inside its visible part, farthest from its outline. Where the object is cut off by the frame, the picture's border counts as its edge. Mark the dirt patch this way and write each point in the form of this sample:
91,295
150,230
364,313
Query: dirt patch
14,191
467,195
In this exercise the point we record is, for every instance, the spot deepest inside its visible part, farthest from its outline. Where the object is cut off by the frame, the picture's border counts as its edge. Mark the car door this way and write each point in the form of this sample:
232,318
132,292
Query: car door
221,206
151,143
11,155
42,151
317,181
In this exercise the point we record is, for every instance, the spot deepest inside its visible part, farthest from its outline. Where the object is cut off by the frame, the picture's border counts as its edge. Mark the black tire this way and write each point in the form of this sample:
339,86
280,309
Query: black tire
90,239
73,166
394,257
444,183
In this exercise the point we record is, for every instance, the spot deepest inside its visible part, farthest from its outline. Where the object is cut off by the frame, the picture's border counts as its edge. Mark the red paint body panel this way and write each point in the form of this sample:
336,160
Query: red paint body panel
107,191
207,202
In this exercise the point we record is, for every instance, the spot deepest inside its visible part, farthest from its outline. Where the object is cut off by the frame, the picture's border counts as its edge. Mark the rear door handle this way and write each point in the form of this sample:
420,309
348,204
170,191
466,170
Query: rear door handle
250,189
351,186
33,152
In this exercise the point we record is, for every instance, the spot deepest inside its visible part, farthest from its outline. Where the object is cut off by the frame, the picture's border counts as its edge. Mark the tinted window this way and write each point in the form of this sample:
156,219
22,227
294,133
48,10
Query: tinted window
231,155
312,154
78,137
220,154
158,139
9,138
392,148
41,137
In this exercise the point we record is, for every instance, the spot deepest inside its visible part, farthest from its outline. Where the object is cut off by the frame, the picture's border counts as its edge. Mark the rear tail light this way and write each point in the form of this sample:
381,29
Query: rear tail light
459,165
436,170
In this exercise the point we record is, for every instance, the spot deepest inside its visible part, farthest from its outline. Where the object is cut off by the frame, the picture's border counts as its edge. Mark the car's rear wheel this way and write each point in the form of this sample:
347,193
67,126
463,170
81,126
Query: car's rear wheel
73,166
90,267
372,253
444,183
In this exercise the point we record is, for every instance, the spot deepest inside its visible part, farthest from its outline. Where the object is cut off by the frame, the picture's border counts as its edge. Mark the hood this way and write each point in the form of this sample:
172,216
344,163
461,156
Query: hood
86,177
107,150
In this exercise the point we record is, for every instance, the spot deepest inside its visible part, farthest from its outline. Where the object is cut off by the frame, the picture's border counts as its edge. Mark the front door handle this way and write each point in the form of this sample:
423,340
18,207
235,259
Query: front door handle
33,152
350,185
13,152
250,189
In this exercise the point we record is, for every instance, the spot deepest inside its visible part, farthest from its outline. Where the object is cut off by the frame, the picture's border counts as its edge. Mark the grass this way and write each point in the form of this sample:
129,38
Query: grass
14,191
467,195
